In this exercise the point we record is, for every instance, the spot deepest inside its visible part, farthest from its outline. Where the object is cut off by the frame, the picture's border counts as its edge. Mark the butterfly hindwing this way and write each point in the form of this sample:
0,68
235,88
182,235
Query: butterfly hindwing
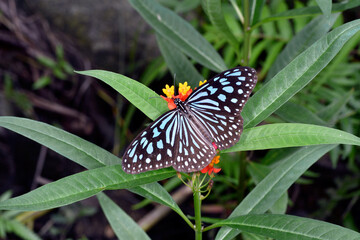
195,151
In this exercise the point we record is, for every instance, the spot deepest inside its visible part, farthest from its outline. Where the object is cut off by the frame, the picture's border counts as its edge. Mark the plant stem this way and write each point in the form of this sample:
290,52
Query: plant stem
197,211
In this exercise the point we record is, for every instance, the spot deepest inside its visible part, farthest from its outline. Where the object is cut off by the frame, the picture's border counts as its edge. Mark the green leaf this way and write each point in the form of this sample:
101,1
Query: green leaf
325,6
138,94
180,33
82,185
290,113
302,40
41,82
275,184
282,135
77,149
297,74
331,112
289,227
178,63
257,11
46,61
13,226
308,11
258,172
214,11
123,225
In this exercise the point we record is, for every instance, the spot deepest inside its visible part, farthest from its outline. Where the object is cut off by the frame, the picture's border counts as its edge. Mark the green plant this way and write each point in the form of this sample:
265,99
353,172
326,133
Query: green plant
59,68
14,222
303,60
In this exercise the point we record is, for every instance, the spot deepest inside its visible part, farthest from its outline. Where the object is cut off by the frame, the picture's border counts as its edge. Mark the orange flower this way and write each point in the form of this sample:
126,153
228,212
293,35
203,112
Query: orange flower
171,104
210,168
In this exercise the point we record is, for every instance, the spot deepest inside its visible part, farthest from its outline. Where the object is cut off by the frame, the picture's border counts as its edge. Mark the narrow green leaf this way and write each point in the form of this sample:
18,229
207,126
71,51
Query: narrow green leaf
283,26
123,225
302,40
178,63
258,172
331,112
308,11
80,151
80,186
13,226
259,4
289,227
282,135
138,94
290,113
325,6
275,184
297,74
214,11
77,149
180,33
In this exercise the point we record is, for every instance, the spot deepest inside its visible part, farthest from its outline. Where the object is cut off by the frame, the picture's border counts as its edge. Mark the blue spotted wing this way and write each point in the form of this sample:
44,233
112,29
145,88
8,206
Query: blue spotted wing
183,138
218,103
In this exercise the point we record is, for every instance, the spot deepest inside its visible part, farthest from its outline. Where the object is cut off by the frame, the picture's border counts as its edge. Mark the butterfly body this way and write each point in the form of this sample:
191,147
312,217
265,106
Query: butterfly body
185,137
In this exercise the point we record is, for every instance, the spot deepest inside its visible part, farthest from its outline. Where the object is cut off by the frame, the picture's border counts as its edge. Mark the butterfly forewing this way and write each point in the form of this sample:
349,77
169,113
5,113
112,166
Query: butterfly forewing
183,138
155,147
171,140
218,103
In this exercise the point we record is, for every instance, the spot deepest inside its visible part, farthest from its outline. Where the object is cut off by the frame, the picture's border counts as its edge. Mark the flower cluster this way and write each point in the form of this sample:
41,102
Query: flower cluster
184,92
210,168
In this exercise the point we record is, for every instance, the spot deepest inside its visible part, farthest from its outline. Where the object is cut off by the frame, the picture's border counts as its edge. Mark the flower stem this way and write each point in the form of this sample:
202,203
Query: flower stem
197,211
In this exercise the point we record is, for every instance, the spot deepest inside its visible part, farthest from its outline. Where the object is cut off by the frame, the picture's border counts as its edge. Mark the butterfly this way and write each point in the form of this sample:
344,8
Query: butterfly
187,137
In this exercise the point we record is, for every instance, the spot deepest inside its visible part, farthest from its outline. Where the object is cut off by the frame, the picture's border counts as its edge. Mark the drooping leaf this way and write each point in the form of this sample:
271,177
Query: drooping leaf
179,32
77,149
80,186
123,225
290,113
138,94
301,41
214,11
178,63
308,11
297,74
282,135
285,227
275,184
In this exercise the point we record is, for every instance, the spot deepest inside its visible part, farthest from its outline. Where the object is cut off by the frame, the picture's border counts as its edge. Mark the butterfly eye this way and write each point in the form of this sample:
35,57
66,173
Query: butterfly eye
203,122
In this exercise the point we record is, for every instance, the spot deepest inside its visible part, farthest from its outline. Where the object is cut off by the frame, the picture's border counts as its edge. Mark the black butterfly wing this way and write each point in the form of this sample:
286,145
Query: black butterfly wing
195,151
171,140
155,147
217,104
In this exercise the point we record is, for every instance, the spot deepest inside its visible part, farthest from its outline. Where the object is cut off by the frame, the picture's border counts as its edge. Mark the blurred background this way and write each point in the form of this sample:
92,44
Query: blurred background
42,43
